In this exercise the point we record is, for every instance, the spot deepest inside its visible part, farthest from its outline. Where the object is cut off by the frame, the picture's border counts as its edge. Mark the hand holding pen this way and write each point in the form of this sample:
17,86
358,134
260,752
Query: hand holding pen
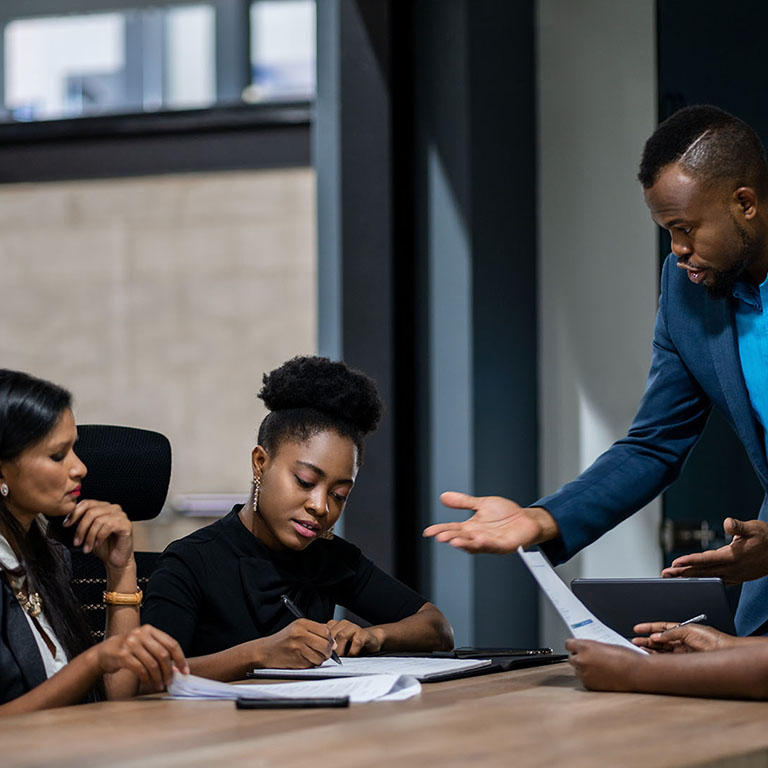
289,604
701,618
683,637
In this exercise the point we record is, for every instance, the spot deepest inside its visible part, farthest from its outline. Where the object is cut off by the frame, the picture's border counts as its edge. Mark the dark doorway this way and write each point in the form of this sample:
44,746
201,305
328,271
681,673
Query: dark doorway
710,53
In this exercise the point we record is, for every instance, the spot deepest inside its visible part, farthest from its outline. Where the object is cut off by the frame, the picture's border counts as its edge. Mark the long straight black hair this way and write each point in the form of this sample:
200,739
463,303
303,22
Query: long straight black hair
29,409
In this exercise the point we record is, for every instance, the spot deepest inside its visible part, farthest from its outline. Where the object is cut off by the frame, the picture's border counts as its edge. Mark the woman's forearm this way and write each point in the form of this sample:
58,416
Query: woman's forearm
231,664
68,686
120,620
736,672
425,630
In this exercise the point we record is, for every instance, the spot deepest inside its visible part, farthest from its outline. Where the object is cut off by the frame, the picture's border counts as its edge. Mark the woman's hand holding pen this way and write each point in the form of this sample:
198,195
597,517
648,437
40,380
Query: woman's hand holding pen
352,640
681,638
303,643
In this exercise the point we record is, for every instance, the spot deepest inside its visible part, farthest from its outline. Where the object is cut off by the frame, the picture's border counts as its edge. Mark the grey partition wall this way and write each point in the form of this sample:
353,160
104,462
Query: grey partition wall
425,151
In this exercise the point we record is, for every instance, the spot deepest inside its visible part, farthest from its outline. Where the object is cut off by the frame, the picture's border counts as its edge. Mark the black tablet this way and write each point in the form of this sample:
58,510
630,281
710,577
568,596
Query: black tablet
622,603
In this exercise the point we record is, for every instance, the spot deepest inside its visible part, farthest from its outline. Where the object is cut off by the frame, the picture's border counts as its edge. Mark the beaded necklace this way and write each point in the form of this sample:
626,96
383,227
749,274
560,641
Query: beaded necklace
30,602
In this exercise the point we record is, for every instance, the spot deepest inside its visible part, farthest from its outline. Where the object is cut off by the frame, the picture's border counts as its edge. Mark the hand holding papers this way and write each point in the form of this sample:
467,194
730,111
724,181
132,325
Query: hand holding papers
574,613
359,689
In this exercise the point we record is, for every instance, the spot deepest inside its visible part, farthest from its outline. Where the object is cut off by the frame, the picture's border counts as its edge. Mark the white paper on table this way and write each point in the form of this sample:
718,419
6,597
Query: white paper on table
359,689
420,667
581,622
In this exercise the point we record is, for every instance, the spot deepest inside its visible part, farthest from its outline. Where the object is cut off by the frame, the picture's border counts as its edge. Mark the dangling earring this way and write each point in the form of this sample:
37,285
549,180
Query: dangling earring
327,534
4,489
255,494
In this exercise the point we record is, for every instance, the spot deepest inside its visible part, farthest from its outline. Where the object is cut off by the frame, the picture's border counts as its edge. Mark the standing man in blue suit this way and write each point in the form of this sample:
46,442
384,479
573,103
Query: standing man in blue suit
705,181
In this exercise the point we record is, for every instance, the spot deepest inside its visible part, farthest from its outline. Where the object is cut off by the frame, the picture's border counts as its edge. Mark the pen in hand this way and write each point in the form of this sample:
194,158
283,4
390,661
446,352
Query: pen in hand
289,604
695,620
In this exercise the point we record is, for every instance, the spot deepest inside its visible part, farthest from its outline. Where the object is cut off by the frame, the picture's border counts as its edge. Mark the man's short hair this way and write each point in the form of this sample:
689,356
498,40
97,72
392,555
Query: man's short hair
709,144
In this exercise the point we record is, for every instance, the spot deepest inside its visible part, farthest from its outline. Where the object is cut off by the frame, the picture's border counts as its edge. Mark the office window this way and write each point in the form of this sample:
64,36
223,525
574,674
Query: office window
57,67
282,50
168,56
102,63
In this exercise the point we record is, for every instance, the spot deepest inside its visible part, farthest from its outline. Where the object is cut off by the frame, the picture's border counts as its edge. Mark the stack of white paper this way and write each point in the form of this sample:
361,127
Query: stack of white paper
421,667
359,689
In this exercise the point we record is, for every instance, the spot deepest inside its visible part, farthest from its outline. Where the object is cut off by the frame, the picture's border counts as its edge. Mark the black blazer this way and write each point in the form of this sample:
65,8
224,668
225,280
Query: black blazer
21,667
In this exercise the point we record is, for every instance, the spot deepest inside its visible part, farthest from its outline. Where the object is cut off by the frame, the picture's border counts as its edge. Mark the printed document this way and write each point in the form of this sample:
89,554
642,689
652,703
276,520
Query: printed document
422,668
359,689
580,621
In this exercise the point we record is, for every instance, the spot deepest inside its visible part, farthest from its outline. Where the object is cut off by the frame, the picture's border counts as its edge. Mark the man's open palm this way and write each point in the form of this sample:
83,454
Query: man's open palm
498,526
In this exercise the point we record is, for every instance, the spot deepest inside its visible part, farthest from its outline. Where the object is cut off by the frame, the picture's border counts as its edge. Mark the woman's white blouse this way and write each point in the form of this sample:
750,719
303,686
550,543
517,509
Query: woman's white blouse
51,663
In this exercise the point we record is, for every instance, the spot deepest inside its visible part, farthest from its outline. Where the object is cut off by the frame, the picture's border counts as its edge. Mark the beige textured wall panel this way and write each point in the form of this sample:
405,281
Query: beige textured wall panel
161,301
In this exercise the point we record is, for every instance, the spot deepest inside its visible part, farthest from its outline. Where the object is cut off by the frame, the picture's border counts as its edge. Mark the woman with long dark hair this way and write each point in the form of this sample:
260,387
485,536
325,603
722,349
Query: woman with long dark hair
219,590
46,655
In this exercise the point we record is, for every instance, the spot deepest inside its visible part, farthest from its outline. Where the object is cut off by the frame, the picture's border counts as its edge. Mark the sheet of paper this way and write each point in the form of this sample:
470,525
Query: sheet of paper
580,621
359,689
413,666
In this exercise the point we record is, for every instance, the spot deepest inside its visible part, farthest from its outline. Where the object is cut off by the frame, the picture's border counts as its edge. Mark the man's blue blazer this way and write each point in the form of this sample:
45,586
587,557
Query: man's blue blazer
695,366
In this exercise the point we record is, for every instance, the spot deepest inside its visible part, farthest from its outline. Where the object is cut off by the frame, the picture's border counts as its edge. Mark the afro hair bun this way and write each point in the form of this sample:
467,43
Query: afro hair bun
324,385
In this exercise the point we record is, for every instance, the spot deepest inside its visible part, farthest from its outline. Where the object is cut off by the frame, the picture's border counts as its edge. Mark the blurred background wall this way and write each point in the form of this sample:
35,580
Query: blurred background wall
160,302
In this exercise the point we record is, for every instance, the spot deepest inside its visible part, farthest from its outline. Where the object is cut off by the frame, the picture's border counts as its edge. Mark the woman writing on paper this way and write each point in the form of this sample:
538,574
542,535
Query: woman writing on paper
218,591
46,655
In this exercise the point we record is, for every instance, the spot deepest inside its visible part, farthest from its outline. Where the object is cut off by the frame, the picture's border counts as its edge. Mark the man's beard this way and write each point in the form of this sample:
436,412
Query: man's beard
724,281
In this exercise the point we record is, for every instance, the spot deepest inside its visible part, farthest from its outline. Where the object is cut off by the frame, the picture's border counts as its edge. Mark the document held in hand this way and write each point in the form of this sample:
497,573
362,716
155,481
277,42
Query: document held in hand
580,621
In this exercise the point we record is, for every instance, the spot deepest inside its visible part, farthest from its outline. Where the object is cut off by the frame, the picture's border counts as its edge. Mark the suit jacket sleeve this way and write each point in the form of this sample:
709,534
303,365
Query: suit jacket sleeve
635,469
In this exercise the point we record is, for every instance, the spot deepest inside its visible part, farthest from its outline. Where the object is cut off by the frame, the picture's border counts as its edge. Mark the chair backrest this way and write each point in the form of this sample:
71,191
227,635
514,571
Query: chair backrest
126,466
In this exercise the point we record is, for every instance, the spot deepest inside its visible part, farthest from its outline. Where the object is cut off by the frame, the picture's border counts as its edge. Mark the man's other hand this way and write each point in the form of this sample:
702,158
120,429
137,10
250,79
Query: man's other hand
744,559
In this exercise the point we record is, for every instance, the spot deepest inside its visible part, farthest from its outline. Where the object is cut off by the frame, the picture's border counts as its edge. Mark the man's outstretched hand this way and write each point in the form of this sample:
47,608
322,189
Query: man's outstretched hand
744,559
498,526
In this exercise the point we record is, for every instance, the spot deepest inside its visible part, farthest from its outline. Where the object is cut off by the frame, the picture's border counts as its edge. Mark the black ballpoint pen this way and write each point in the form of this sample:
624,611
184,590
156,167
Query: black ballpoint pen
288,603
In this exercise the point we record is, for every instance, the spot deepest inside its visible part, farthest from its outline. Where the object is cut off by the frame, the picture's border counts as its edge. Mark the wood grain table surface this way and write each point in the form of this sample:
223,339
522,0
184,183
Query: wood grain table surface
533,717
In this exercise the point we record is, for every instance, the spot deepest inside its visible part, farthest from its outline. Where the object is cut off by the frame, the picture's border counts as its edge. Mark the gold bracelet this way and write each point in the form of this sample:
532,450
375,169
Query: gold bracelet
124,598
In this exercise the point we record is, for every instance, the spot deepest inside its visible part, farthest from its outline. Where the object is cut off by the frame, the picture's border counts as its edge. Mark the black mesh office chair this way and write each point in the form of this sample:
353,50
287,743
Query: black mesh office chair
126,466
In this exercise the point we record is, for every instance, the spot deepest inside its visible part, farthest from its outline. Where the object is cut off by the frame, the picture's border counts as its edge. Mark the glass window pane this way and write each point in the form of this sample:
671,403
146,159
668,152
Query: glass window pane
190,57
162,57
59,67
282,50
101,63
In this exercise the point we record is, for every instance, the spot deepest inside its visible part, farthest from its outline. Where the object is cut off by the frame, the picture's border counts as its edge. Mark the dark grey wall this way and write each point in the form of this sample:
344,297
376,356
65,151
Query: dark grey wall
504,244
425,146
353,156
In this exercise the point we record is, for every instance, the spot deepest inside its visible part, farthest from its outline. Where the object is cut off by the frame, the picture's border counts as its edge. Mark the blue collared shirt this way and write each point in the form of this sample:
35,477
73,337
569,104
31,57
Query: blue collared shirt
751,313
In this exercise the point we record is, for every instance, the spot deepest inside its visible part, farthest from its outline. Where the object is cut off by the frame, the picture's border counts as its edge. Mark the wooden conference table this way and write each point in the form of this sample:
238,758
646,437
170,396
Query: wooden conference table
534,717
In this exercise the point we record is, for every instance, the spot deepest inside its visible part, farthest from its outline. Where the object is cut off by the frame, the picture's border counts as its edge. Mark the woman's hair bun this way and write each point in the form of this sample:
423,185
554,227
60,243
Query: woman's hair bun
324,385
